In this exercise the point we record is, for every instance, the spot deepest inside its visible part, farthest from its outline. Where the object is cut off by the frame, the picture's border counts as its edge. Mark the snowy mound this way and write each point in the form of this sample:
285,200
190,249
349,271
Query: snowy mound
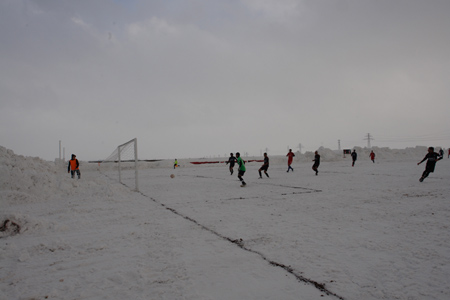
33,181
22,180
25,178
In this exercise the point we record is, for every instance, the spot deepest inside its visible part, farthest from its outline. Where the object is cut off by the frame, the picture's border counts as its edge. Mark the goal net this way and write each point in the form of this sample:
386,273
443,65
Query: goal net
126,157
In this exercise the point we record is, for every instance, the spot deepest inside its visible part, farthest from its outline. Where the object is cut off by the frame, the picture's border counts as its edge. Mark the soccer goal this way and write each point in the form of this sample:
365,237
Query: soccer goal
126,156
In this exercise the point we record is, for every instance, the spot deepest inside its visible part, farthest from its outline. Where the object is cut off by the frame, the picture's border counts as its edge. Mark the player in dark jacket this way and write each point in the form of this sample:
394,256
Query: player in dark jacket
354,157
431,158
231,161
265,166
316,161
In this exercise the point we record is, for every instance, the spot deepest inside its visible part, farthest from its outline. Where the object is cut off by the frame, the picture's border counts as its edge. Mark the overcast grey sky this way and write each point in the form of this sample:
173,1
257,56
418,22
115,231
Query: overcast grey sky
209,77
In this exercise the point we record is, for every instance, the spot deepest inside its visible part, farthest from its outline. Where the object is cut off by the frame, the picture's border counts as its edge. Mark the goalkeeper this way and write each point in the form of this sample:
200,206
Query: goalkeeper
74,167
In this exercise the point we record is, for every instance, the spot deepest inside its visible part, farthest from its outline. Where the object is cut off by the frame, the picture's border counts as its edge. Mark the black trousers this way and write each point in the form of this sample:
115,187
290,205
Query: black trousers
72,172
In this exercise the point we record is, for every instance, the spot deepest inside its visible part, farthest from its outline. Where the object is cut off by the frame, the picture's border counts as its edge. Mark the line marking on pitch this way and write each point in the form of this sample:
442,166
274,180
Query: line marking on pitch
240,243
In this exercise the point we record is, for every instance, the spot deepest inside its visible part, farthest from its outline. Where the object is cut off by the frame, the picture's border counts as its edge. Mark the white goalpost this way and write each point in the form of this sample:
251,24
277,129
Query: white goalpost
126,156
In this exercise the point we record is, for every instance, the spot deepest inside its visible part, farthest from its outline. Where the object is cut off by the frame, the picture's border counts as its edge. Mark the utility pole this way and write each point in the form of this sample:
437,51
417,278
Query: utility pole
368,138
339,145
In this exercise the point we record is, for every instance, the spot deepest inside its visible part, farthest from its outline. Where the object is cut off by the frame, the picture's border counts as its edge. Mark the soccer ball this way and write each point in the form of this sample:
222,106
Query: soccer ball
172,176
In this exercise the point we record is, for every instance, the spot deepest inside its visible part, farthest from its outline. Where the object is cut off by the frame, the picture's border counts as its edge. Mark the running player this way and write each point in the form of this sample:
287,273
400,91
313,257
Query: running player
316,161
241,170
431,158
372,156
290,156
231,161
265,166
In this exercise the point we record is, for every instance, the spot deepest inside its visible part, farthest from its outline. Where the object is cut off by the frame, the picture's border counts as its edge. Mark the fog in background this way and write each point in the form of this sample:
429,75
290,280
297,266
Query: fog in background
208,77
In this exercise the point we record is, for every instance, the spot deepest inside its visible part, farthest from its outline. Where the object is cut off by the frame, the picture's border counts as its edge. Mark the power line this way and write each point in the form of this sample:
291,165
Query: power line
413,139
423,137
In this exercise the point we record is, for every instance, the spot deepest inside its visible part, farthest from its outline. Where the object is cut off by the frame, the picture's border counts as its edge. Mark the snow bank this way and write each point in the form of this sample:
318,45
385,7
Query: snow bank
33,181
25,179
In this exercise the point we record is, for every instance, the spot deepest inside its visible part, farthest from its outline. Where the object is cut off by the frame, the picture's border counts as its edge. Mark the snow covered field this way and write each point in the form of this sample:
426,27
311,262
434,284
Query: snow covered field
368,232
